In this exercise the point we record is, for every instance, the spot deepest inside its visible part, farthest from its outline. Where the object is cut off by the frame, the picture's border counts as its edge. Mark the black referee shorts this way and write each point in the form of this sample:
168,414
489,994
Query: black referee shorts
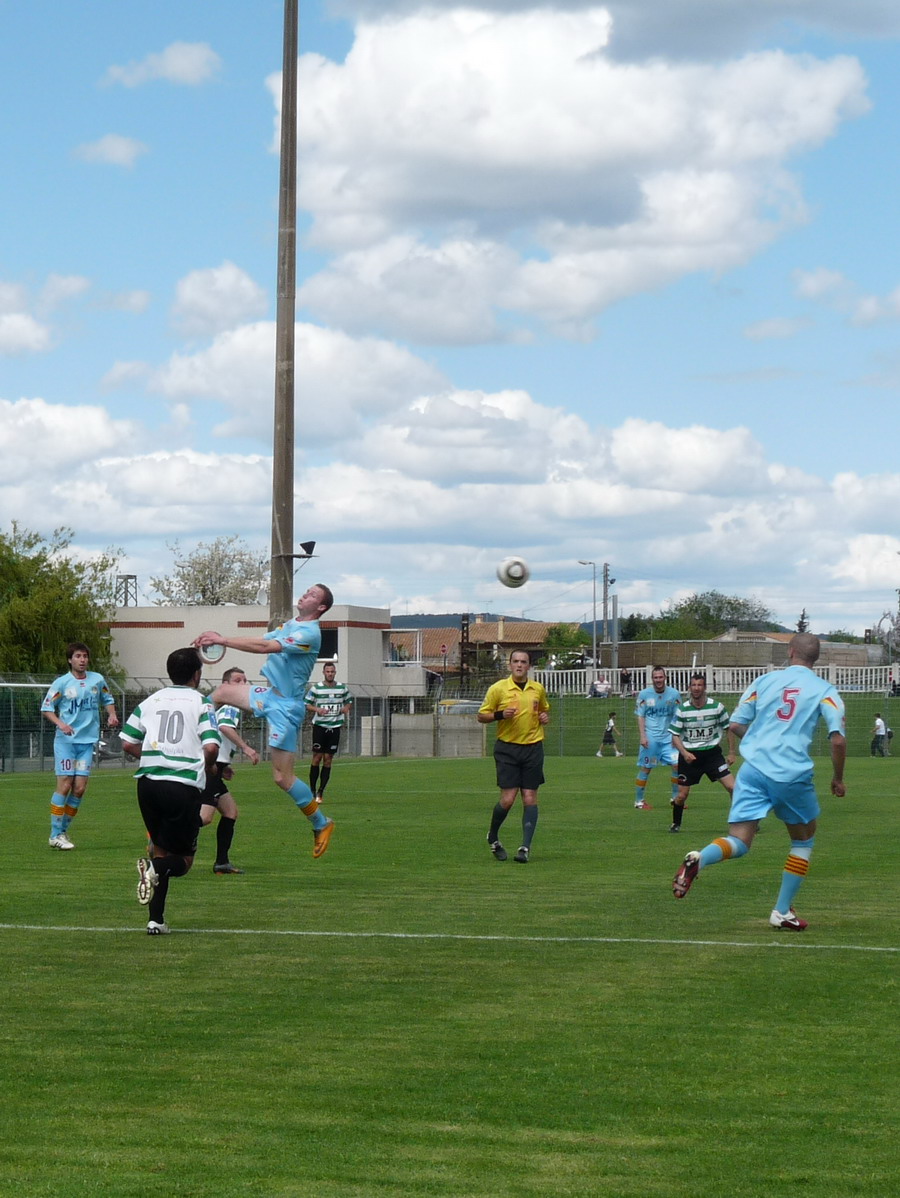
519,767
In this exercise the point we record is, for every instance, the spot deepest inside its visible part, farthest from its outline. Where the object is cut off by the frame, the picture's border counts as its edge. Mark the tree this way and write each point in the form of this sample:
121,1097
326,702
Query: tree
803,622
701,617
567,641
49,598
635,627
226,571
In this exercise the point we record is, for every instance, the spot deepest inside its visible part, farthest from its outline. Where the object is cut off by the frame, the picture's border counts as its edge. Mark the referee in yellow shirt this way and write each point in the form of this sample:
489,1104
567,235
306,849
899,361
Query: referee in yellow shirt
521,707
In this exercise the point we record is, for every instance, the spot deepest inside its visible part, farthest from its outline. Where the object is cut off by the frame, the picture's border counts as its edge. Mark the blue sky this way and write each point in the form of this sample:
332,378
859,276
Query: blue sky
576,281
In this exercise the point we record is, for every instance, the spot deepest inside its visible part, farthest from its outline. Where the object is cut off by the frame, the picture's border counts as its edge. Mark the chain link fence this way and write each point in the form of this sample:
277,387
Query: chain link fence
383,725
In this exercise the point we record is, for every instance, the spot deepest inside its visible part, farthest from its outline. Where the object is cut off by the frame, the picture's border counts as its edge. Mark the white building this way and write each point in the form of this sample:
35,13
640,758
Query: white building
359,638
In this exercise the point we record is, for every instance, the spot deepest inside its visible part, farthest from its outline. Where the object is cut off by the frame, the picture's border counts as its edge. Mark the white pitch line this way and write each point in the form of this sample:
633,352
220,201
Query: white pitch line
788,943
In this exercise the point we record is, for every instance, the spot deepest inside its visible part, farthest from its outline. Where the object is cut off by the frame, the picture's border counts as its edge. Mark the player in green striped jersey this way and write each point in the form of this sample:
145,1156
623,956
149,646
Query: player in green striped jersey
173,732
697,728
328,703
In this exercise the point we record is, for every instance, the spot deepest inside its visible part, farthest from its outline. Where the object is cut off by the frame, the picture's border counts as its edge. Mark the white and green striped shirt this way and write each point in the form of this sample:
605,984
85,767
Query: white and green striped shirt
172,727
699,727
334,698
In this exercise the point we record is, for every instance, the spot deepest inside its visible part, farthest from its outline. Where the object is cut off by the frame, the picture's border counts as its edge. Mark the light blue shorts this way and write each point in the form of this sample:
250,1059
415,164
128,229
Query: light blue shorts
755,796
73,758
284,716
657,753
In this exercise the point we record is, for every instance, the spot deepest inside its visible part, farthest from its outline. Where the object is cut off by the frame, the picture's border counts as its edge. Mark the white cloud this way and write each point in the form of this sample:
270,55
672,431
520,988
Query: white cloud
60,288
136,301
821,283
112,150
684,28
776,328
427,478
470,436
134,496
877,309
869,562
689,460
13,298
188,63
403,287
63,434
219,298
843,295
443,134
186,491
20,333
122,373
340,382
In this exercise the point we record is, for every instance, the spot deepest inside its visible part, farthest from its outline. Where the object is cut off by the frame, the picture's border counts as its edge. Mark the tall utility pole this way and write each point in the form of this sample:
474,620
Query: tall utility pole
282,568
593,566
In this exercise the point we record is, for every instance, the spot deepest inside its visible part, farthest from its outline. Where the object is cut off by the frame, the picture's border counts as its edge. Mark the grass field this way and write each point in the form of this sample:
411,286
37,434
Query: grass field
408,1016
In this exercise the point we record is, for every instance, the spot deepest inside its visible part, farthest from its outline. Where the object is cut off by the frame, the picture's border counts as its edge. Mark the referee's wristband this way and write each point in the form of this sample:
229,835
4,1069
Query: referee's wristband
498,715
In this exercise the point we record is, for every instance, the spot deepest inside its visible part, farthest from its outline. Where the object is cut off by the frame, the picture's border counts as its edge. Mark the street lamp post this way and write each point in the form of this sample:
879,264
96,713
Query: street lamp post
593,566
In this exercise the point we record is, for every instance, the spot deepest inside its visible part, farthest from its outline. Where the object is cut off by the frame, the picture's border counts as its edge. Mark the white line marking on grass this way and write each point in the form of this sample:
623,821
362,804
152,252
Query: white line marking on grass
791,943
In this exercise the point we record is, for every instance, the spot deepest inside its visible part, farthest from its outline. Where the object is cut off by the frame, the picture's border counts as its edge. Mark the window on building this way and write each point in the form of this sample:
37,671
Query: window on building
329,644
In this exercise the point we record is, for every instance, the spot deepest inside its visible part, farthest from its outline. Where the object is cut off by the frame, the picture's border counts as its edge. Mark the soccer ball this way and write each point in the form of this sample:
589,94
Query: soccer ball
211,655
513,571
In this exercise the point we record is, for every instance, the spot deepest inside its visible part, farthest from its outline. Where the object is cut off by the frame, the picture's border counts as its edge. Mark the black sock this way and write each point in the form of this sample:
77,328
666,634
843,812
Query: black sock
314,779
677,814
166,867
529,823
326,774
498,815
224,837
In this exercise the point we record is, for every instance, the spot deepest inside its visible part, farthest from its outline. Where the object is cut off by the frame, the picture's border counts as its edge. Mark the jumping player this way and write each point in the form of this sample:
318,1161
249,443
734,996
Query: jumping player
291,652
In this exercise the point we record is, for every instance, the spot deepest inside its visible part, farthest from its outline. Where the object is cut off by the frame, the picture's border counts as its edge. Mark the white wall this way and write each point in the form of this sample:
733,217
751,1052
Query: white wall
143,637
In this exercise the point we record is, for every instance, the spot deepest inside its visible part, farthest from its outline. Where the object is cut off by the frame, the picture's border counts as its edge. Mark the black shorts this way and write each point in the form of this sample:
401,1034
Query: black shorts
216,786
608,738
519,767
171,814
325,740
708,763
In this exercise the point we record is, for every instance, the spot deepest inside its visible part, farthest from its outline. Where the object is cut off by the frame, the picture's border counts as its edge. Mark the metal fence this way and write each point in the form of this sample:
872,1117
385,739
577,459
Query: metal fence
721,679
384,725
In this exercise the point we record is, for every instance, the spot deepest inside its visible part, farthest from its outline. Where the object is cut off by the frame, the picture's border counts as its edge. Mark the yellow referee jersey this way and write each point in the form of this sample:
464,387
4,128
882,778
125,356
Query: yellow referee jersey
529,700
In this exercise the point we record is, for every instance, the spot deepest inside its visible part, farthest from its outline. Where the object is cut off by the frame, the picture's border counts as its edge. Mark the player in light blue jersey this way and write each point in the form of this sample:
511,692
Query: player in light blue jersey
291,652
655,710
72,705
776,719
